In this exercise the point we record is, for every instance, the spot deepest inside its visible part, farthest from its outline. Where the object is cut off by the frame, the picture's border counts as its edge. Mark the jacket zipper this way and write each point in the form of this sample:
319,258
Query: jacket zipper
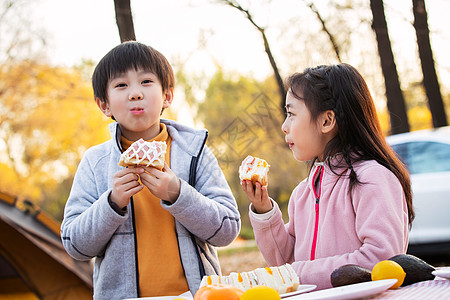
135,247
192,180
316,207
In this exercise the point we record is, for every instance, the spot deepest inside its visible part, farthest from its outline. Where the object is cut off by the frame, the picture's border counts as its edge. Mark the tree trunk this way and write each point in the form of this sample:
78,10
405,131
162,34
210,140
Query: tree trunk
394,95
124,20
430,80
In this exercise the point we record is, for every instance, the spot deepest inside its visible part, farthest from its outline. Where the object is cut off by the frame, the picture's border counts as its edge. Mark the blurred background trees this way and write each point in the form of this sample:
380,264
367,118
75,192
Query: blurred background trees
47,122
48,116
430,79
394,95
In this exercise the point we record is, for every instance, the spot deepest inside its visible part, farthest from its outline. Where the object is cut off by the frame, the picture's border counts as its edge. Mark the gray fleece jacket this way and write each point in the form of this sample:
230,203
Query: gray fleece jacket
206,214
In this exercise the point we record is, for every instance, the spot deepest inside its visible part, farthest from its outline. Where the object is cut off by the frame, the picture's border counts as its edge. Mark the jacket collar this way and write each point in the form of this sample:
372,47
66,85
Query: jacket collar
191,140
336,161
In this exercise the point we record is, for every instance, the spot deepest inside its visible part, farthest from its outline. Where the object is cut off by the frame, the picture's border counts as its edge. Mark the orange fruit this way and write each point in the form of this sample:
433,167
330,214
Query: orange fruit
218,292
261,292
388,269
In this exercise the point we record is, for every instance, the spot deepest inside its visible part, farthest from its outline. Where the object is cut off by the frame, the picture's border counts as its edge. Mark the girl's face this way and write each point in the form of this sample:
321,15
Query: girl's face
303,135
136,99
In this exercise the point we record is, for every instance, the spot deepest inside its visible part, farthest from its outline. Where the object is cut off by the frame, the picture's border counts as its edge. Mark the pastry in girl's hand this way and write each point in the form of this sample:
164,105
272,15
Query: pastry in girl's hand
150,154
254,169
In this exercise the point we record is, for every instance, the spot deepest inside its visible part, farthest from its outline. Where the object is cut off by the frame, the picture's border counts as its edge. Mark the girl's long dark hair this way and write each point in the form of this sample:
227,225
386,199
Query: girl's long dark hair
342,89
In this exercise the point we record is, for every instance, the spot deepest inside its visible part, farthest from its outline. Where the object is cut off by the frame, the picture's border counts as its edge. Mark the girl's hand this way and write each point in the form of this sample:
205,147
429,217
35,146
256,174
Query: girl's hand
258,195
126,184
163,184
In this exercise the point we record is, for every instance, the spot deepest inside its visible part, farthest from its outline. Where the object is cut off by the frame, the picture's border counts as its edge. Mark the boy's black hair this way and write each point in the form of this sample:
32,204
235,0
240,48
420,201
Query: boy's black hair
131,55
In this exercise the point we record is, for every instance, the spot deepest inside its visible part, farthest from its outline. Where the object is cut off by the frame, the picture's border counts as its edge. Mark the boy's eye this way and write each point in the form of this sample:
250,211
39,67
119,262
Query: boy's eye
120,85
146,81
289,114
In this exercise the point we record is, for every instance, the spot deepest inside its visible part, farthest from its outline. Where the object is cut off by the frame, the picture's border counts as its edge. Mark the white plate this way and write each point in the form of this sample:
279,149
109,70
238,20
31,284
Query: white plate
302,288
352,291
443,272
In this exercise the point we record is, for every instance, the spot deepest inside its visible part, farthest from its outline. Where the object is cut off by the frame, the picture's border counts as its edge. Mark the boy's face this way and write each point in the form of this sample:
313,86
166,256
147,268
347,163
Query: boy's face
136,99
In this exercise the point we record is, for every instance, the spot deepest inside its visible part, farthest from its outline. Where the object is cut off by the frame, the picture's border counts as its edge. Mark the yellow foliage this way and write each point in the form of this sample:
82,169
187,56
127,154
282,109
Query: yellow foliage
8,180
48,118
384,122
420,118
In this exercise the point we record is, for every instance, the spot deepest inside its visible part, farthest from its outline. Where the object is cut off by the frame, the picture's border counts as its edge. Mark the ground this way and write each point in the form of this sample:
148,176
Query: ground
240,256
241,261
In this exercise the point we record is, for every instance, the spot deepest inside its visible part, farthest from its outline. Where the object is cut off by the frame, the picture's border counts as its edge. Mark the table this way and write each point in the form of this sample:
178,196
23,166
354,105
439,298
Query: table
439,288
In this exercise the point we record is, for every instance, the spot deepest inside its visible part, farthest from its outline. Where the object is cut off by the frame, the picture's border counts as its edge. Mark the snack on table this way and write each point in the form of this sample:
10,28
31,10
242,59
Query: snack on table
282,278
144,153
254,169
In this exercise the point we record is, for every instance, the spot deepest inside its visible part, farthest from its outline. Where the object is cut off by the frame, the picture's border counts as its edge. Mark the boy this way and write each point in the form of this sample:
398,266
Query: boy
152,232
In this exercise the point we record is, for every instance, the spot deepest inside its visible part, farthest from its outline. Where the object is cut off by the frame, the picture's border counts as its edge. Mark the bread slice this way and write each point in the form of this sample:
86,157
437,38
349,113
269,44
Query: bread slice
210,280
145,154
284,279
237,280
265,277
281,278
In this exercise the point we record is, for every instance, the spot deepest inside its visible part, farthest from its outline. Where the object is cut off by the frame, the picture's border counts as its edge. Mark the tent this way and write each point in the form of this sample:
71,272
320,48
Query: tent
33,262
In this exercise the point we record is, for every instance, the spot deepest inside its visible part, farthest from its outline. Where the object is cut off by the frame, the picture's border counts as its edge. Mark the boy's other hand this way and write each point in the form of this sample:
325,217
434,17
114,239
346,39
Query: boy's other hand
258,195
163,184
126,184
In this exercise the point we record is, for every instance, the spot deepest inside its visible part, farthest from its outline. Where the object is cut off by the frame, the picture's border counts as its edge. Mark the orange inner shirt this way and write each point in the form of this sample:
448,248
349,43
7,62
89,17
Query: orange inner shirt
160,270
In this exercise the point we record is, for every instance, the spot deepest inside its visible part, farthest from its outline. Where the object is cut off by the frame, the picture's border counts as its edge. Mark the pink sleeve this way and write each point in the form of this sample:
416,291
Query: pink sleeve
275,239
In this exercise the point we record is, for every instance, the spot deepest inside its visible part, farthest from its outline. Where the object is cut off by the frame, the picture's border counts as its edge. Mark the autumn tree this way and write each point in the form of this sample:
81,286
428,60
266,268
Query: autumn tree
395,100
48,119
430,79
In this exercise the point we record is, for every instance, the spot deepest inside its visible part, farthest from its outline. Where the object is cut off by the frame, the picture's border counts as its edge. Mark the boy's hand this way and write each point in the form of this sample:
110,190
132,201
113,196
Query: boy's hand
163,184
258,195
126,184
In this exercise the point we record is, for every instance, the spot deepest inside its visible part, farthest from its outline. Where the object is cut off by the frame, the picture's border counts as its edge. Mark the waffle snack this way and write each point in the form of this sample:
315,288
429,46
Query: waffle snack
145,154
254,169
282,278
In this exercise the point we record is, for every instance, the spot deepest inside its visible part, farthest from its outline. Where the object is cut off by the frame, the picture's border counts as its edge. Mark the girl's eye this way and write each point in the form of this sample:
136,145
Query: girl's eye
119,85
146,81
289,114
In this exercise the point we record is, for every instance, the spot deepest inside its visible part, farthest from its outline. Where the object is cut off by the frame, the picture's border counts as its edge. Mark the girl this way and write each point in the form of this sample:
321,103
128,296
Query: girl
356,205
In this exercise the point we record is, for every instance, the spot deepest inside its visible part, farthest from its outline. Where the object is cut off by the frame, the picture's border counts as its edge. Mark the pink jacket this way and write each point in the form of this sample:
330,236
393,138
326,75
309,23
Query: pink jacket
369,226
